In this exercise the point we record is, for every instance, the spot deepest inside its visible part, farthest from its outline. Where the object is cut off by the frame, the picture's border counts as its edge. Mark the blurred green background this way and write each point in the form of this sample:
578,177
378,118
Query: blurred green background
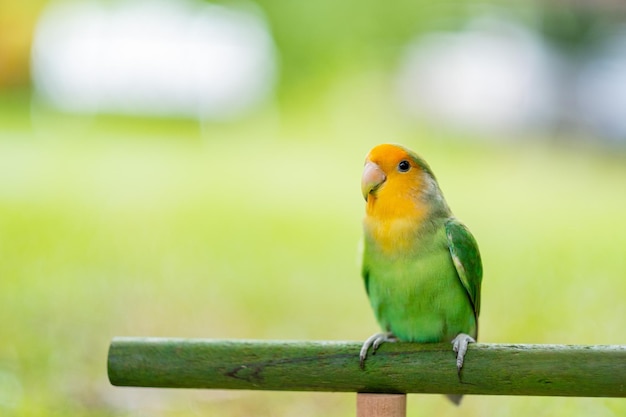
119,225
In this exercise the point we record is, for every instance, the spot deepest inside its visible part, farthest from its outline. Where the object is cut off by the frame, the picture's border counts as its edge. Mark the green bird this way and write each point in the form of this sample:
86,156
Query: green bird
421,266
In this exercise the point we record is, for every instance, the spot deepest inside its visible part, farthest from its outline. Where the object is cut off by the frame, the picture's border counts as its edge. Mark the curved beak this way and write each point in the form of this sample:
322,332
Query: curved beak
373,177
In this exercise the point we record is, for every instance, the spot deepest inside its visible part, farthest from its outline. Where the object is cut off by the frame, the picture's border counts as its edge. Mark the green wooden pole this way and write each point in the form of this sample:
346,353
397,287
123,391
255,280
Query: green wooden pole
492,369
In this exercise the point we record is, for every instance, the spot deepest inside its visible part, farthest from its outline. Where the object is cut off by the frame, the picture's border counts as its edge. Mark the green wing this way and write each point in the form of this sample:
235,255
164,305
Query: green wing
466,258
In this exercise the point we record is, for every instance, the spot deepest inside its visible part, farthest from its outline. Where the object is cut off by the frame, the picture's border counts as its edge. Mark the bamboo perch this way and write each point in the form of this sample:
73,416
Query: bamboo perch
491,369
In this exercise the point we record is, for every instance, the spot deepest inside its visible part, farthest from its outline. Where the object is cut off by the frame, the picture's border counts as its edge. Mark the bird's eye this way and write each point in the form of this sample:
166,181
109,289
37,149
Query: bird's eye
404,166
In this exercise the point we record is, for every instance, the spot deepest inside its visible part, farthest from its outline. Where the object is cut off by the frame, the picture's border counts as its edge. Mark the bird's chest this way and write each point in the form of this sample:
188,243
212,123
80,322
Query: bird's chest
419,277
415,294
393,238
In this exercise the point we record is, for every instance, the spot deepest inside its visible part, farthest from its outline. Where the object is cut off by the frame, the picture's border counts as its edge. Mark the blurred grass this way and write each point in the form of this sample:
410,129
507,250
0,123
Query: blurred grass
113,226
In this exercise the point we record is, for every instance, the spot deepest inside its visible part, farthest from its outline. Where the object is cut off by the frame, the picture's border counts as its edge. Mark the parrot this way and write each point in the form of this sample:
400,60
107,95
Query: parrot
421,266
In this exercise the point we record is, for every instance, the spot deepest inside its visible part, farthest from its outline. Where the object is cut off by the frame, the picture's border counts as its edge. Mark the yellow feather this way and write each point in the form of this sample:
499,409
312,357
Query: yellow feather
395,211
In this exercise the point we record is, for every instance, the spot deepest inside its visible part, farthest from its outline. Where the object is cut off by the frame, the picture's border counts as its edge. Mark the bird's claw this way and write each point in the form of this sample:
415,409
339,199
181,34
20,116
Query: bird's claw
374,341
459,345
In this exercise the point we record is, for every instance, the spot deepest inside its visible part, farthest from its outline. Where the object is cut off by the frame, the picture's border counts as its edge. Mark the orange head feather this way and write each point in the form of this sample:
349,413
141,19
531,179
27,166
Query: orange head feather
401,193
396,183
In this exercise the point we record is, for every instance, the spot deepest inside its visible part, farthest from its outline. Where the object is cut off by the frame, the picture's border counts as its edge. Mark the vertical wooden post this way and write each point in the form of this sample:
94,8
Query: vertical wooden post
380,405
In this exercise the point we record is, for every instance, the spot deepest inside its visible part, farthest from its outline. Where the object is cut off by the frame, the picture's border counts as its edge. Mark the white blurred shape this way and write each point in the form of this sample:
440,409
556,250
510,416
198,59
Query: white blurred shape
601,89
178,58
493,77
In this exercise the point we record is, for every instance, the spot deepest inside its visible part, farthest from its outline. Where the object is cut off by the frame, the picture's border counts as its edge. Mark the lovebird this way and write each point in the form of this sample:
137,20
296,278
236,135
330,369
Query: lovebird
421,266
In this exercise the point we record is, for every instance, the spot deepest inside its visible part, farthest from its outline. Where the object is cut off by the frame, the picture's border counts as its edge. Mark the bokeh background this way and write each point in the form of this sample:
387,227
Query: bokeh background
192,169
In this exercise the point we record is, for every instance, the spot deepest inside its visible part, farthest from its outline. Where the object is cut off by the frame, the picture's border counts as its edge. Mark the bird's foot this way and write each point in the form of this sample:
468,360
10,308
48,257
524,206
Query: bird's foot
459,345
374,341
